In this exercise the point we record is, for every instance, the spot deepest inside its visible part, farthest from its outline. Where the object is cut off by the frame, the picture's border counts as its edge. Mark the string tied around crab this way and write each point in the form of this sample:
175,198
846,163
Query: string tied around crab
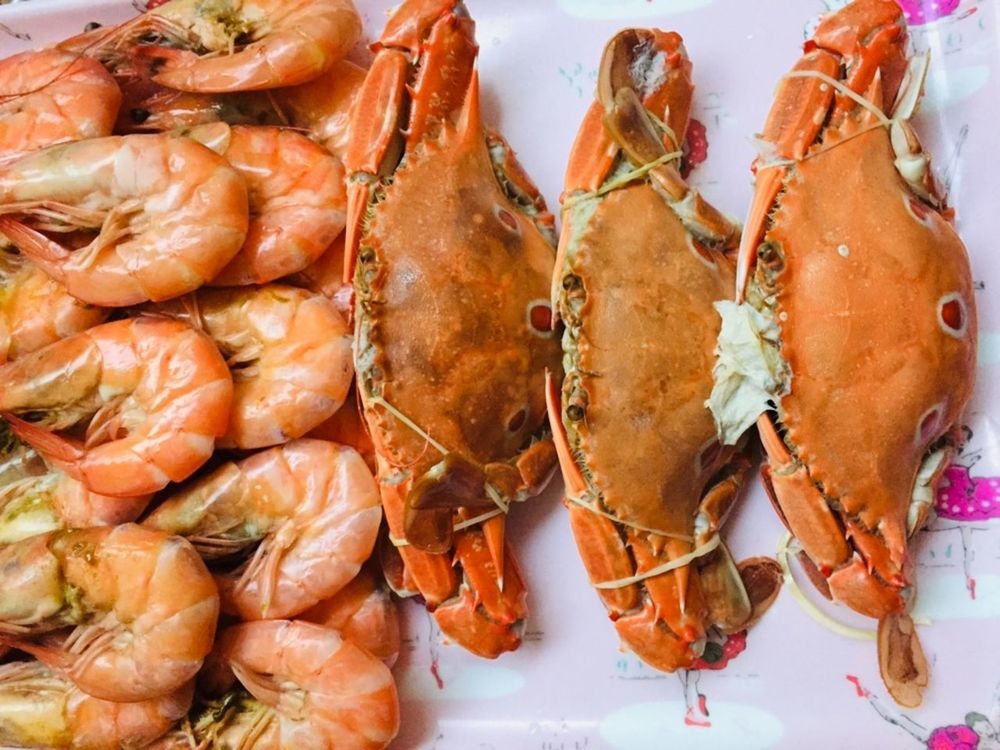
679,562
502,506
916,74
623,179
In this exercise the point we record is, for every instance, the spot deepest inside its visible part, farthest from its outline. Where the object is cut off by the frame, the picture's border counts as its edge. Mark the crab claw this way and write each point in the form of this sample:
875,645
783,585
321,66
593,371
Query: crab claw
665,89
901,660
871,37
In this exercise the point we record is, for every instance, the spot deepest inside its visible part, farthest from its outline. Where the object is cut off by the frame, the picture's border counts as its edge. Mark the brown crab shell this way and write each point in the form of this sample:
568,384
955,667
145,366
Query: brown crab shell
644,355
878,328
453,317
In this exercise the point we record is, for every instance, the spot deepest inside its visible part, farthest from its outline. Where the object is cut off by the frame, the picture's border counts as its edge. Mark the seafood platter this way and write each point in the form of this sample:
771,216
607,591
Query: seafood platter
447,374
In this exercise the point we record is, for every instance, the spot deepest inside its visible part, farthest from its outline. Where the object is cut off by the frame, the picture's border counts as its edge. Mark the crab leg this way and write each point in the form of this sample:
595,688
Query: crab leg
375,144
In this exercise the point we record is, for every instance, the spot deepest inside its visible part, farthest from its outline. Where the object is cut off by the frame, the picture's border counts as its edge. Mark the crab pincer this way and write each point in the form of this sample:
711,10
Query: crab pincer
856,401
450,248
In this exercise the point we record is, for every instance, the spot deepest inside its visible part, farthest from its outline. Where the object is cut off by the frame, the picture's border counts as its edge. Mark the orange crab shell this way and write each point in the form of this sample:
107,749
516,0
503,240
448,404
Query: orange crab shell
876,308
453,320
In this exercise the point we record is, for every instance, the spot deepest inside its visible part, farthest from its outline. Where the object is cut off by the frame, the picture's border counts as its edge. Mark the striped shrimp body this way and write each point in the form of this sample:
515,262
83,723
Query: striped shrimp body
49,97
308,688
364,614
311,508
37,503
290,355
169,215
141,604
39,709
298,199
217,46
36,310
154,395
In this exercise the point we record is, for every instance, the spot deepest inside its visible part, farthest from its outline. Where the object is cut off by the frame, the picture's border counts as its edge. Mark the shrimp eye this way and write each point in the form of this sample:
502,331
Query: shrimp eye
540,317
952,315
139,116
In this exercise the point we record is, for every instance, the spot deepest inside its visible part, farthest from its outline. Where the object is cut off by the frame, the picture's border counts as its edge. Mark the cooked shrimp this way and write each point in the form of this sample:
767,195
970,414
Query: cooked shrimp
143,605
348,427
155,394
49,97
311,689
43,500
234,45
290,353
310,507
325,276
324,106
170,213
298,199
39,709
36,310
364,613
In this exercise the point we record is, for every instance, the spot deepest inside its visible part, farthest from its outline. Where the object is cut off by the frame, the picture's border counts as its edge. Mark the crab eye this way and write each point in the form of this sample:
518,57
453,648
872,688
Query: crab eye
930,424
917,209
540,317
952,315
701,253
507,219
708,455
516,422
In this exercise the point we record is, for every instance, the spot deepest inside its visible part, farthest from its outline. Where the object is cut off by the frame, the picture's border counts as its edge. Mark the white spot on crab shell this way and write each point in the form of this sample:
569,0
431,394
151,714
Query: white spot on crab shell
945,300
648,69
783,316
843,251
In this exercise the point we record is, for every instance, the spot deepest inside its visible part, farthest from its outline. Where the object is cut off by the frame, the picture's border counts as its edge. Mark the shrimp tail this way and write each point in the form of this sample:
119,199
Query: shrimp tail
44,252
64,454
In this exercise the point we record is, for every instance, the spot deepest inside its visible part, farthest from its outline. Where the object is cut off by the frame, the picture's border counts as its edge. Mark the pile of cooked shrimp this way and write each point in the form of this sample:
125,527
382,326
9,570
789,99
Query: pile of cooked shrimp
186,496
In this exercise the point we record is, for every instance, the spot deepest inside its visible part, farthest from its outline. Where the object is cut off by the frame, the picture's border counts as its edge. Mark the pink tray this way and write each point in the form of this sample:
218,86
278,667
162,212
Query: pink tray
797,684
